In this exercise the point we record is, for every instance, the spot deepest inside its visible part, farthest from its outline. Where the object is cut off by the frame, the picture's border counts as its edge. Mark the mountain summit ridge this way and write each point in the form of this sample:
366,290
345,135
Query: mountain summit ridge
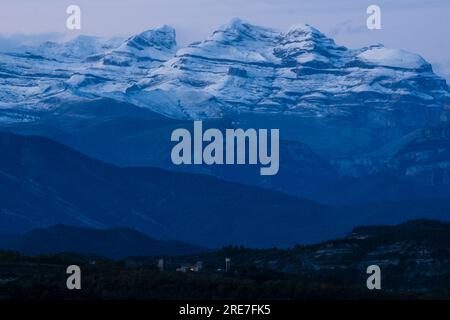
247,68
241,67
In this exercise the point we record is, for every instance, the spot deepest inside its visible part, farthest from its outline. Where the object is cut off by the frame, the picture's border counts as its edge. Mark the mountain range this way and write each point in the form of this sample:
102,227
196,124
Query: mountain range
44,183
343,114
362,131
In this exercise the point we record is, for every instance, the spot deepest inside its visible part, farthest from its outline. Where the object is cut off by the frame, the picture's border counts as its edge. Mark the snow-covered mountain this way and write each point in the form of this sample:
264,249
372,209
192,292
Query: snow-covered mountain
341,112
300,76
83,68
246,68
239,68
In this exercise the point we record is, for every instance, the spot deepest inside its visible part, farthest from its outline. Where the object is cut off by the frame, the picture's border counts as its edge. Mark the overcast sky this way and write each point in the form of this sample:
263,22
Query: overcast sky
415,25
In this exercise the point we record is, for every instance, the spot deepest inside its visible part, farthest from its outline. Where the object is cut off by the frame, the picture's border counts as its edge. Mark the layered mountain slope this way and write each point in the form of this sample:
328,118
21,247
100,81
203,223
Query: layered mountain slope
426,159
344,115
243,67
239,68
125,135
315,87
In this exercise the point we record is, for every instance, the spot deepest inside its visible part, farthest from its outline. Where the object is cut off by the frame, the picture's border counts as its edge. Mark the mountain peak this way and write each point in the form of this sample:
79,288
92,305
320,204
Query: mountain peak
307,33
303,29
162,37
237,29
